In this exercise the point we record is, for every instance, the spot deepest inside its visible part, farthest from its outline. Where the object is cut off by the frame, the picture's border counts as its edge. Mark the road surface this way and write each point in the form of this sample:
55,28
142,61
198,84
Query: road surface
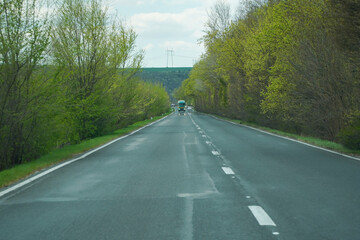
191,177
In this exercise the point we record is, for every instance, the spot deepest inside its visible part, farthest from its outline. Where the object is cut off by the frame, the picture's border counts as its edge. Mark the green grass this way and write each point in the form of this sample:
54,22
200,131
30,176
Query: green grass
307,139
19,172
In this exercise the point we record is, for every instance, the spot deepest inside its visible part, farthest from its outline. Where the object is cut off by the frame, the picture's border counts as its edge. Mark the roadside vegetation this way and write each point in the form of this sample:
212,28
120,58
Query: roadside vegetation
289,65
171,78
56,156
67,76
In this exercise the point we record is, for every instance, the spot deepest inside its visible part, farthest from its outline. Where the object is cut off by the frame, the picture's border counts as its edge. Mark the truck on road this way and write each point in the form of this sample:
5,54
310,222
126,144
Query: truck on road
181,106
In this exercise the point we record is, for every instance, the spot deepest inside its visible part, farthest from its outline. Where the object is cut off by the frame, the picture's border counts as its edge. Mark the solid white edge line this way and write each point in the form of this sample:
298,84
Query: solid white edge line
37,176
290,139
228,170
261,216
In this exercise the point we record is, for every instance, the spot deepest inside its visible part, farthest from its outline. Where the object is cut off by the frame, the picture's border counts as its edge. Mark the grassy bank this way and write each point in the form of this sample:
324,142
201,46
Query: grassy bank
306,139
22,171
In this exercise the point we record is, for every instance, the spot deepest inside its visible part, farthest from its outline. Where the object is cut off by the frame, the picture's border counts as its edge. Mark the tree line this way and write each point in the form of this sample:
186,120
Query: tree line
287,64
67,73
170,78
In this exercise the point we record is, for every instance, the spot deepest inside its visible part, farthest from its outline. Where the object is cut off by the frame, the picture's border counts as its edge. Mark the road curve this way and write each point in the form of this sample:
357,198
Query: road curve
191,177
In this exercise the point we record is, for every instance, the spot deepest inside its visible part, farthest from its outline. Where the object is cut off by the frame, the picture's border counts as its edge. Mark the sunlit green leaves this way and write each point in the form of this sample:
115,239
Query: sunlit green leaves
287,64
69,81
24,36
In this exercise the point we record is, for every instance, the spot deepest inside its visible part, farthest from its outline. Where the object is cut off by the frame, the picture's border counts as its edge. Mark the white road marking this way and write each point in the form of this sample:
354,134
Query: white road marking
187,233
290,139
201,195
275,233
208,142
27,181
261,216
215,153
228,170
204,136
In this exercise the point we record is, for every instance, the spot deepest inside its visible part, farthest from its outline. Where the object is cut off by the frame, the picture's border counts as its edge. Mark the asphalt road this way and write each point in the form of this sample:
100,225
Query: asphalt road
191,177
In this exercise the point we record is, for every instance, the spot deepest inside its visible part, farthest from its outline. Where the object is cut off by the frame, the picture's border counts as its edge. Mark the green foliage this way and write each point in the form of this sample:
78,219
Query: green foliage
170,78
89,55
350,135
291,65
67,82
138,100
23,40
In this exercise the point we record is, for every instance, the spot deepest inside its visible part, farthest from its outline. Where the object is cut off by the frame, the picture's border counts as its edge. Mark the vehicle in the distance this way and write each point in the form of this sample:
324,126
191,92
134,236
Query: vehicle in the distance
181,106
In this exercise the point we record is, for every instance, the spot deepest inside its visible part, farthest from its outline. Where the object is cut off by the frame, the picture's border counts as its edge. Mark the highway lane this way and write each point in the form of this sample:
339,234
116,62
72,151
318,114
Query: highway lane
191,177
310,193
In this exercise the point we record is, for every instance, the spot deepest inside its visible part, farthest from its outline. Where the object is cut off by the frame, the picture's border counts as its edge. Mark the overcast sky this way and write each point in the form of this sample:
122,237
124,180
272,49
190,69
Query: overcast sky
164,25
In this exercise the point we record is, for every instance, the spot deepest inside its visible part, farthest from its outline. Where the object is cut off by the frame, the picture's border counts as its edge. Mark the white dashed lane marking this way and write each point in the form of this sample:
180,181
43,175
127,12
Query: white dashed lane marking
215,153
261,216
259,213
228,170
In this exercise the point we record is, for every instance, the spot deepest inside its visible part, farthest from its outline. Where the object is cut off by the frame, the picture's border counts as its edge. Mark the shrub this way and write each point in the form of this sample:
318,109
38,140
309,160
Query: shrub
350,135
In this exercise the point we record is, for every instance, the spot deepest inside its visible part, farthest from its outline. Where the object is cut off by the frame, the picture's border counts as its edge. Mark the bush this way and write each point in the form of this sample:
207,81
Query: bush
350,135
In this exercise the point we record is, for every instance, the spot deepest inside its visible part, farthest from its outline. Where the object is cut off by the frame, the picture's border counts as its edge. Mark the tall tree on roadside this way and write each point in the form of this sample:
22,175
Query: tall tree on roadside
24,32
292,65
89,50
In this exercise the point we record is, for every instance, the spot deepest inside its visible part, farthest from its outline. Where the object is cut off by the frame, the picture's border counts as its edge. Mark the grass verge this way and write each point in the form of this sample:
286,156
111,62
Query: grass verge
22,171
306,139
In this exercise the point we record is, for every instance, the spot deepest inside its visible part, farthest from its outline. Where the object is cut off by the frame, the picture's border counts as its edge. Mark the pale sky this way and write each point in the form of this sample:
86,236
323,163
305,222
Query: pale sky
164,25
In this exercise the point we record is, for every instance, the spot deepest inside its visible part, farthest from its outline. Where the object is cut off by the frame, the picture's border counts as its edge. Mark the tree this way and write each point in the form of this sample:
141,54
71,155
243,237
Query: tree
89,55
46,103
24,38
292,65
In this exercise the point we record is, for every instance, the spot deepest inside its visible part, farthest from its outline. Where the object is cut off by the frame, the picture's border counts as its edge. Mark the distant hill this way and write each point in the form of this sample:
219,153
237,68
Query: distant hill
170,78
